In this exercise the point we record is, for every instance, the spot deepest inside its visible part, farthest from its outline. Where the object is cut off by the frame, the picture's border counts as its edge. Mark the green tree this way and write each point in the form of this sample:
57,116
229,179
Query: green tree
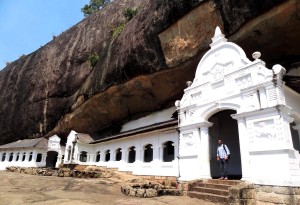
94,6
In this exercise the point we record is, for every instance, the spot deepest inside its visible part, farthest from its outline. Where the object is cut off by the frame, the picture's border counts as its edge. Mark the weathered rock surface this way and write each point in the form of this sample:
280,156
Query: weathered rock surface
27,189
143,69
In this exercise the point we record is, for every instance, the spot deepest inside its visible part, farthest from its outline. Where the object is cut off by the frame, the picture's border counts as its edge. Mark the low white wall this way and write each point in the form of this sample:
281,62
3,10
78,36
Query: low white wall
26,162
156,167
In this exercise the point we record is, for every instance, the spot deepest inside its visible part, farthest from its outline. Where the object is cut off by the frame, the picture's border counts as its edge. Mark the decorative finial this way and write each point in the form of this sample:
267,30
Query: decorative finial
278,69
256,55
177,104
218,39
218,31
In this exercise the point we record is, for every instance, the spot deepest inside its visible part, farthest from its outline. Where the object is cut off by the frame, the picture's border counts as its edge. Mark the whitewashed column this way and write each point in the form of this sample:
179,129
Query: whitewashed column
6,156
124,154
263,98
102,156
204,151
155,149
14,156
27,156
34,153
245,158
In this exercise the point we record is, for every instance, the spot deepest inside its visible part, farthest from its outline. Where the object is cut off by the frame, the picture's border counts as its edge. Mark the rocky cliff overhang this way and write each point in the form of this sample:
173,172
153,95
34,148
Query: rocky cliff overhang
143,69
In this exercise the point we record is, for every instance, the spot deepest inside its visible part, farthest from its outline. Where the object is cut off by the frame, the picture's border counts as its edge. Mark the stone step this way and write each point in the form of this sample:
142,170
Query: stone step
212,186
226,182
210,191
208,197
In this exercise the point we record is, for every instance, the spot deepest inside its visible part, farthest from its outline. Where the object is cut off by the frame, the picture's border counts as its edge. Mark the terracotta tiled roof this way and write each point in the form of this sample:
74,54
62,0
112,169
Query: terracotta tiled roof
38,142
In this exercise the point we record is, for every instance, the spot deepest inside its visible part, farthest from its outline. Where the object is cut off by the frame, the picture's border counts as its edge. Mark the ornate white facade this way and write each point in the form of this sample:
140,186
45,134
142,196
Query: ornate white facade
38,152
264,108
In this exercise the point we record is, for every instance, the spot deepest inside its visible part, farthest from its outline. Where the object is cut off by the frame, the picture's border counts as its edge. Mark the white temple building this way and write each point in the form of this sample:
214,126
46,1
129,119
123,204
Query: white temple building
38,152
231,98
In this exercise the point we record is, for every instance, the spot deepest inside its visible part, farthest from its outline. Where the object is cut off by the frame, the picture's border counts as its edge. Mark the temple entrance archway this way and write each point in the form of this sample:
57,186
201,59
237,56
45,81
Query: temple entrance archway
51,158
225,127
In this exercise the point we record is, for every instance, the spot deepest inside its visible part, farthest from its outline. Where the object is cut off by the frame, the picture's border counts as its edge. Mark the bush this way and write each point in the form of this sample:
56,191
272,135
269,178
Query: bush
118,30
94,6
129,13
93,59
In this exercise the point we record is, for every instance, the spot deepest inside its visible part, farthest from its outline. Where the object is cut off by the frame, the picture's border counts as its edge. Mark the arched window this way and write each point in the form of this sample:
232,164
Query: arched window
148,153
107,155
131,155
24,157
168,151
3,157
83,156
11,156
18,156
30,156
118,154
98,156
39,157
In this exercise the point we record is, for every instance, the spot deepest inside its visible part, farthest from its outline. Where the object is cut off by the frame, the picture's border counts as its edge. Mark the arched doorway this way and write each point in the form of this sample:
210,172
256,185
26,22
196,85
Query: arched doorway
51,159
225,128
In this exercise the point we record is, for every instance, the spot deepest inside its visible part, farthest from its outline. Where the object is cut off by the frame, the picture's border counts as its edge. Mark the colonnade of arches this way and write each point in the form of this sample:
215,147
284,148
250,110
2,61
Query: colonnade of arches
29,158
168,154
21,156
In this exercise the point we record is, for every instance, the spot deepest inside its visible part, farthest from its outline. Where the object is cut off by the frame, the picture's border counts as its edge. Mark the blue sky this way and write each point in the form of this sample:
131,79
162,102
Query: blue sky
26,25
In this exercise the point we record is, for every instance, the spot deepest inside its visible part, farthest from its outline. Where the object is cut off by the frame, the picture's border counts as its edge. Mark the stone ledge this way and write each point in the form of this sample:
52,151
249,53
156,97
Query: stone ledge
147,189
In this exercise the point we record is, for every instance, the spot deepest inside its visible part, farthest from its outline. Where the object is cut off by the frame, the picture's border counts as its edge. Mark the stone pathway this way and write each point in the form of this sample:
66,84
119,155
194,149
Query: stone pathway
22,189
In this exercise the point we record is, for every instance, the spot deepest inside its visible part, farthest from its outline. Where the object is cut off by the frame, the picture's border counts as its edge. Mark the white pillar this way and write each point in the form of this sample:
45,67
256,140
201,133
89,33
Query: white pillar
244,142
124,154
204,153
34,153
141,154
14,156
155,150
263,98
7,156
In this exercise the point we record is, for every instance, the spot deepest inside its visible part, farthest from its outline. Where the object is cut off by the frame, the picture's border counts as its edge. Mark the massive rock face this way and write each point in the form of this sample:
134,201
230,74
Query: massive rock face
143,69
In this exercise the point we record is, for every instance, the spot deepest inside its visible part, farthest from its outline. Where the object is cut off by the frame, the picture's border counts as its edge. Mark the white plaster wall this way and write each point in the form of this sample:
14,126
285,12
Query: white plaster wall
278,171
155,117
157,167
26,162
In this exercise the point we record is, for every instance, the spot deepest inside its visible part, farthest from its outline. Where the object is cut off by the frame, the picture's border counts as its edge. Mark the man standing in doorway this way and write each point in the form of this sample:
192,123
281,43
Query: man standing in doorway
223,155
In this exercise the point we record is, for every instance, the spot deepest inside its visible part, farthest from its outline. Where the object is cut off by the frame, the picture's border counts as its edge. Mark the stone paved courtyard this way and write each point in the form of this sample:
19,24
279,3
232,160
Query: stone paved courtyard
22,189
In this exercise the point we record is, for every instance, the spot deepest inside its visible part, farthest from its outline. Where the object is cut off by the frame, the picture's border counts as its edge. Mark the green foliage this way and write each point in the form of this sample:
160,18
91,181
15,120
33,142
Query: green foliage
94,6
93,59
118,30
129,13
